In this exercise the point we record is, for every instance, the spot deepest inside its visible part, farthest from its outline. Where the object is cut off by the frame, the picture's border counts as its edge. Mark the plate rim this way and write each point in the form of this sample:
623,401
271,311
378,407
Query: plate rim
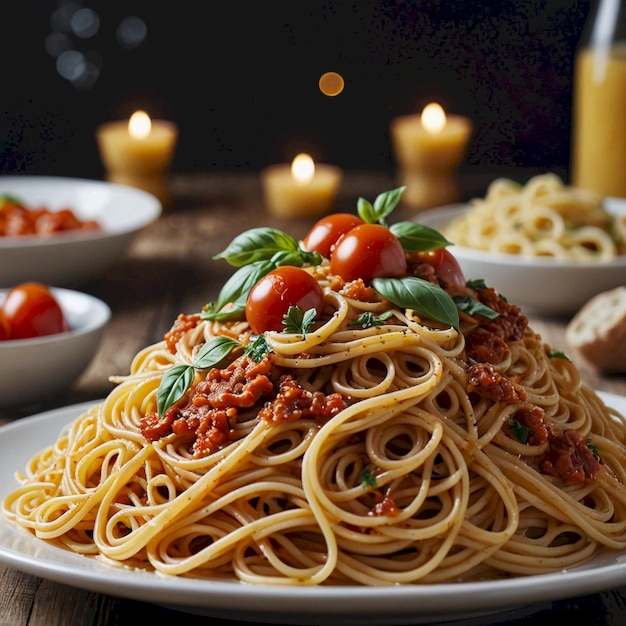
370,604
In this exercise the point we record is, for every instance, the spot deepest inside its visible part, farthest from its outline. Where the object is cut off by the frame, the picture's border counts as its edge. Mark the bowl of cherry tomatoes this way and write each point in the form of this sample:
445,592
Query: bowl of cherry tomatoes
66,231
48,337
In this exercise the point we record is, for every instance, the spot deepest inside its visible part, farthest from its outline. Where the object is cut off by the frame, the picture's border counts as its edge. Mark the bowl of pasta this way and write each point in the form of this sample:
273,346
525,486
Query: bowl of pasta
48,337
65,231
544,245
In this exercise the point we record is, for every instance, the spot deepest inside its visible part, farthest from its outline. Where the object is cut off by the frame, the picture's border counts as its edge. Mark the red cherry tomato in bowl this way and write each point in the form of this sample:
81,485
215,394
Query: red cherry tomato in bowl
270,299
31,310
325,233
368,251
447,269
5,329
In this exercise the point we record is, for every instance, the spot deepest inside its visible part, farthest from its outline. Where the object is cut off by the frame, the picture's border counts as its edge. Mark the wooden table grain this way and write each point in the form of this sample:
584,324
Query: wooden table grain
170,269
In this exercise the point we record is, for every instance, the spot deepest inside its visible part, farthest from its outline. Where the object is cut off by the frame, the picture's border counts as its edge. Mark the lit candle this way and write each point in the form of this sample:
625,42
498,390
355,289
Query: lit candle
428,149
139,152
302,189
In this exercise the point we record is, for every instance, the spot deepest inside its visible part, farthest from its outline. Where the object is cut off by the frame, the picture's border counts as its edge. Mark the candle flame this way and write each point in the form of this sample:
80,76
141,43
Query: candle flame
433,118
302,168
139,125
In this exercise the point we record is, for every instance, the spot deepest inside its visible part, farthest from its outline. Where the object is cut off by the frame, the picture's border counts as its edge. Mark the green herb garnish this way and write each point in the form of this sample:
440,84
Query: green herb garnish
521,431
367,480
368,319
425,298
298,323
557,354
178,379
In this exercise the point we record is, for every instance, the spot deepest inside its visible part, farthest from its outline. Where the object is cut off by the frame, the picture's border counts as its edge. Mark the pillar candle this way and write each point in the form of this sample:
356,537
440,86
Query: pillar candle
428,149
139,152
300,189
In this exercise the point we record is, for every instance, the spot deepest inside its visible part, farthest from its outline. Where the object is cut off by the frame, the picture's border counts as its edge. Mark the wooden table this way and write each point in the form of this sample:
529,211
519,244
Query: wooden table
169,269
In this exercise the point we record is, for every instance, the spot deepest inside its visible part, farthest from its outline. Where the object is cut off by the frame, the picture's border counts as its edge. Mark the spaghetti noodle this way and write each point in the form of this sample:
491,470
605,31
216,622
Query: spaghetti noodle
388,448
544,217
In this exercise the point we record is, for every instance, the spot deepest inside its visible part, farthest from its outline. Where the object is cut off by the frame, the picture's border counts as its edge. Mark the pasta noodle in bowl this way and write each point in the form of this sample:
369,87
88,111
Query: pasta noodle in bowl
409,431
547,246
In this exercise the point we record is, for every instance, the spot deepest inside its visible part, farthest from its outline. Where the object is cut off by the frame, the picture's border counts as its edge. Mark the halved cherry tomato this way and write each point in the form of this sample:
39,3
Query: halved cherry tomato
325,233
447,269
32,311
270,299
368,251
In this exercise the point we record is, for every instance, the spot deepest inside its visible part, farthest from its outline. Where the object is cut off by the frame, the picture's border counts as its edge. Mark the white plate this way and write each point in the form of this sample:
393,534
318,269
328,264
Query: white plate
67,259
541,285
404,604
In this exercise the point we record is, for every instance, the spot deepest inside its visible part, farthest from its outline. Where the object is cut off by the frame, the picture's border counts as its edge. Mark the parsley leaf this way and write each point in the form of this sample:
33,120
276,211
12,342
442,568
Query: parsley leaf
257,349
557,354
368,319
367,480
521,432
298,323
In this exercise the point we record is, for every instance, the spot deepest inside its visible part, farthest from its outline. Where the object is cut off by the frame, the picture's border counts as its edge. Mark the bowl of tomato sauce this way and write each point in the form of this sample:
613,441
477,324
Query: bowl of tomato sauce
66,231
48,337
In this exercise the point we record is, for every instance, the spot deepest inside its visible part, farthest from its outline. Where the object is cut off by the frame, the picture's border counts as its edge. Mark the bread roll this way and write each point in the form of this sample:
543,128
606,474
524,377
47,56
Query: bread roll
598,330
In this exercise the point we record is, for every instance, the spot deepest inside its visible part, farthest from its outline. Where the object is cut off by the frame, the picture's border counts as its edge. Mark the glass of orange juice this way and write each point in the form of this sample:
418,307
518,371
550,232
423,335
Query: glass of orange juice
599,106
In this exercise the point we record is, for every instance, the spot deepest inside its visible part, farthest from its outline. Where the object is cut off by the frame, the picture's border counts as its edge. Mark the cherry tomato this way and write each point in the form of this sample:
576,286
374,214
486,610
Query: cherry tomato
5,329
32,311
325,233
447,268
270,299
368,251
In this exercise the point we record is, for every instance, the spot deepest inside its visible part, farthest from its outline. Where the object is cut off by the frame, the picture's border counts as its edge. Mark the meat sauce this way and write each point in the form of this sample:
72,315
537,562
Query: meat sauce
567,455
209,412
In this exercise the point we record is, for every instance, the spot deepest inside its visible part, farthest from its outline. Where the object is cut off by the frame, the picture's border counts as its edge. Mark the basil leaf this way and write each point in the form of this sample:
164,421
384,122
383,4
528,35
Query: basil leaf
418,237
257,244
471,306
427,299
173,386
235,291
384,204
365,210
214,352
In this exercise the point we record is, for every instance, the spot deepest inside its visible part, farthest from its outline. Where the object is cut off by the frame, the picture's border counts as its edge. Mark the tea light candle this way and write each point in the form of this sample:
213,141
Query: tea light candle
139,152
302,189
428,149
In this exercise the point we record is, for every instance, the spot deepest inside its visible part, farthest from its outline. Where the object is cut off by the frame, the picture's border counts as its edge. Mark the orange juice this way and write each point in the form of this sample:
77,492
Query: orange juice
599,131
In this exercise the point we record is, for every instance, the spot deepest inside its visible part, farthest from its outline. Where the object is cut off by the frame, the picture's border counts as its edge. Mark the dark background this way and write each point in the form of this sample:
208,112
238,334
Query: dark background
241,79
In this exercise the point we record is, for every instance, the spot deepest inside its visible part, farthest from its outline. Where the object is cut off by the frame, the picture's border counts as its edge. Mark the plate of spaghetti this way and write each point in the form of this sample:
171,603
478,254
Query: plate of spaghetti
548,246
343,438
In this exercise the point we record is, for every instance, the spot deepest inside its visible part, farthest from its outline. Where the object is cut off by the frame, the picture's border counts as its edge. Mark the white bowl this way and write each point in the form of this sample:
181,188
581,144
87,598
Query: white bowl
67,259
35,368
542,285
